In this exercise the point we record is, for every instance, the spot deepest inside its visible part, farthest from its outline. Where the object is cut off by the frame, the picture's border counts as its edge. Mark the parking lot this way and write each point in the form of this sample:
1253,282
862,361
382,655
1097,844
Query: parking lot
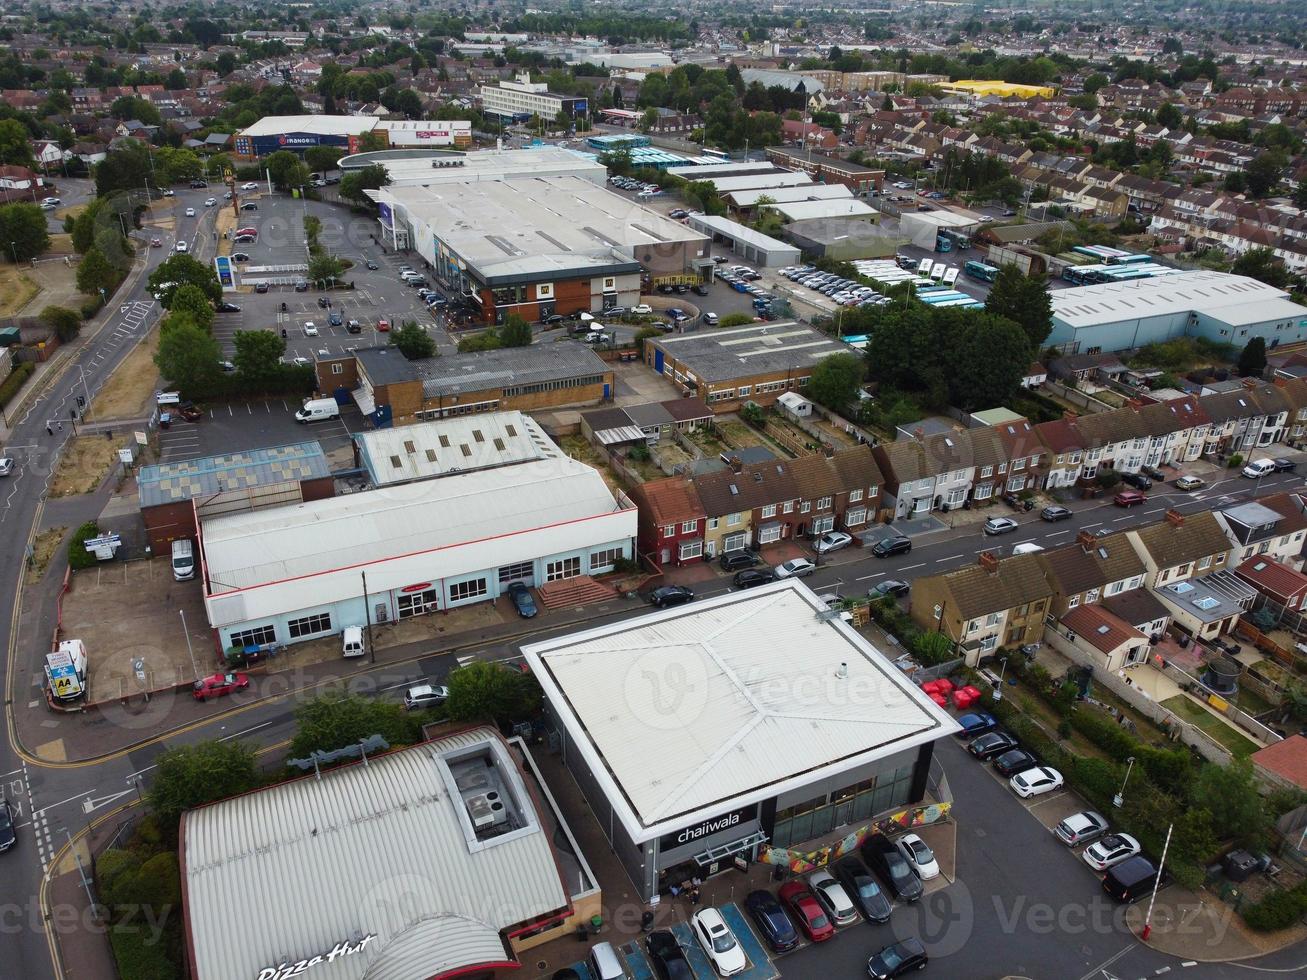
257,424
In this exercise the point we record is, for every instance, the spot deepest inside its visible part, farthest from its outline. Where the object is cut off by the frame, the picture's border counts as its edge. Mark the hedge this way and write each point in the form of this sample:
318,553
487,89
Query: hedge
1278,909
137,957
78,556
17,377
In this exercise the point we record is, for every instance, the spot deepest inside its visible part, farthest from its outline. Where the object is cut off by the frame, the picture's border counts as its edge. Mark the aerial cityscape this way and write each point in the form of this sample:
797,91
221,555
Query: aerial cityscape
597,490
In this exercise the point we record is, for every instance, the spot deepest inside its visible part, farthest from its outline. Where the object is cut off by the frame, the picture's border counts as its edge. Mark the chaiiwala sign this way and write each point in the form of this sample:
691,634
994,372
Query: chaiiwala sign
342,949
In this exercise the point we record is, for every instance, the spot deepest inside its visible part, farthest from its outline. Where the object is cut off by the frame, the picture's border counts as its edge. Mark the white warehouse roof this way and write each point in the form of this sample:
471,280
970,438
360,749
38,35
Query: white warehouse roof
319,124
760,708
1231,299
781,178
461,444
805,210
280,559
784,195
381,856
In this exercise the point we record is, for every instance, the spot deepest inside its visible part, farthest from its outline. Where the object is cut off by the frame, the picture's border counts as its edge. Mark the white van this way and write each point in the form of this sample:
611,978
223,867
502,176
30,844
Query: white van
1258,468
318,410
1029,548
183,560
165,398
352,642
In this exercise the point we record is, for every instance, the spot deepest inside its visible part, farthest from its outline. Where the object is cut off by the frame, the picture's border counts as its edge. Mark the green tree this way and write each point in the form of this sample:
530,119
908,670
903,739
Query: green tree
990,361
192,775
65,323
124,168
324,268
1264,172
258,356
189,300
515,332
178,270
487,339
1263,265
96,273
492,692
1252,359
23,232
1025,301
132,107
836,380
173,164
188,356
1169,115
335,720
1300,196
286,170
648,119
1230,793
413,342
354,183
321,158
15,145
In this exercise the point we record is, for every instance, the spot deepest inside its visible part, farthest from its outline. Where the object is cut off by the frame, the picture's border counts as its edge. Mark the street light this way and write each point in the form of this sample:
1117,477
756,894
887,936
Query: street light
998,688
194,669
13,247
1119,798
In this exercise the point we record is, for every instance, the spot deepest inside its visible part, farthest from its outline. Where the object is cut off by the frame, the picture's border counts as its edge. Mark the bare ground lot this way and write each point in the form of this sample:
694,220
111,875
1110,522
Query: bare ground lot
17,288
83,465
127,393
44,549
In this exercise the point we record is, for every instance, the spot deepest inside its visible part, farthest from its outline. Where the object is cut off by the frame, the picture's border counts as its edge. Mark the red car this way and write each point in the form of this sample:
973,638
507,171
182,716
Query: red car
1128,498
803,906
220,684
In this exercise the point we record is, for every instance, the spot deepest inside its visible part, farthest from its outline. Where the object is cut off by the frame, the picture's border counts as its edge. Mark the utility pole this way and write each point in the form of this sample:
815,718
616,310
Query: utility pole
367,612
189,650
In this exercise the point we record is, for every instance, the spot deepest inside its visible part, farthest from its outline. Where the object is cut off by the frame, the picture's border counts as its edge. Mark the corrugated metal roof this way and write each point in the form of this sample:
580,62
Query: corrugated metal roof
169,483
742,697
1230,299
454,445
287,873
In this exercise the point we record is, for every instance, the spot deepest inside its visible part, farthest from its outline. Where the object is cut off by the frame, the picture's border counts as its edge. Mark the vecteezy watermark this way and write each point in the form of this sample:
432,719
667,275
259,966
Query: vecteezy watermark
667,689
67,920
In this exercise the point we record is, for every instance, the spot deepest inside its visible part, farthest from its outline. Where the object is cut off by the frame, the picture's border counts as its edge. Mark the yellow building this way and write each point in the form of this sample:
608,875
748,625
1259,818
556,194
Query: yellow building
1003,90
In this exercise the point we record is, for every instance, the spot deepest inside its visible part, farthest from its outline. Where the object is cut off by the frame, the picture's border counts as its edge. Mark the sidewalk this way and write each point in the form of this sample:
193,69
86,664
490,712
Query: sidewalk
1198,926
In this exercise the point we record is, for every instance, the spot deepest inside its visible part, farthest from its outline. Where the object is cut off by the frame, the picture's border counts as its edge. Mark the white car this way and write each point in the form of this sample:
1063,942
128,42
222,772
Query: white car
1258,468
210,202
1081,828
49,204
642,308
1110,850
1000,525
250,186
310,329
920,858
795,568
190,212
6,465
718,942
595,337
1035,782
832,541
833,898
181,246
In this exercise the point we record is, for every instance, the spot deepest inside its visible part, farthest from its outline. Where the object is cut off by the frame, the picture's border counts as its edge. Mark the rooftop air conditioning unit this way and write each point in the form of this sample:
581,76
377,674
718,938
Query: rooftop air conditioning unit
486,810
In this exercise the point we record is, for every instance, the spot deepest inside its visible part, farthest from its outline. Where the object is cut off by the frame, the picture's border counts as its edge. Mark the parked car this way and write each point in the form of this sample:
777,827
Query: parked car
1189,483
833,898
6,465
371,266
642,309
1258,468
353,326
884,858
795,568
335,319
892,588
522,601
1035,782
249,206
976,723
216,685
667,957
1130,498
240,256
863,888
832,541
719,943
894,961
249,239
1081,828
595,337
1137,480
1132,879
1110,850
425,696
893,545
310,329
733,561
228,308
670,595
8,836
1153,473
771,920
1283,465
920,858
750,577
1014,761
1000,525
807,911
190,212
260,287
992,744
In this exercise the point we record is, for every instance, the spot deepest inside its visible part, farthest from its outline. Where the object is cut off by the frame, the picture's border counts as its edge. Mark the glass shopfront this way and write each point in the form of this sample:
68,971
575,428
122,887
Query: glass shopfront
847,805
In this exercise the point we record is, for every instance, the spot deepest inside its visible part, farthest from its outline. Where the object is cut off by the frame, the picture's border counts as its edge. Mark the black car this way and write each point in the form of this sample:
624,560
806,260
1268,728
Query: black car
521,596
244,240
335,319
228,308
1283,465
8,836
323,302
670,595
668,958
976,723
552,319
886,547
301,286
1153,473
993,744
260,287
353,327
750,577
891,867
240,257
866,893
772,921
369,264
891,587
198,183
733,561
1014,761
1053,514
1137,480
249,206
895,961
699,289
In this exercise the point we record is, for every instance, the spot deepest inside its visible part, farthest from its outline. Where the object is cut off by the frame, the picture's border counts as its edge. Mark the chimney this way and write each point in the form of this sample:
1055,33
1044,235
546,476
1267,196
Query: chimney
1069,416
1250,383
1134,403
1175,518
918,432
1086,540
989,562
736,465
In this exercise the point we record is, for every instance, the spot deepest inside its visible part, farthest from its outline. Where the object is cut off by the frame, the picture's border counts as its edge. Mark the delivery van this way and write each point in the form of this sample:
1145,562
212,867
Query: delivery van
318,410
183,560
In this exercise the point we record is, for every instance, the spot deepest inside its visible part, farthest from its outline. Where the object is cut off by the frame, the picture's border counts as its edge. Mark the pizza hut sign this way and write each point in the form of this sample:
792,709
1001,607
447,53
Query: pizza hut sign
287,970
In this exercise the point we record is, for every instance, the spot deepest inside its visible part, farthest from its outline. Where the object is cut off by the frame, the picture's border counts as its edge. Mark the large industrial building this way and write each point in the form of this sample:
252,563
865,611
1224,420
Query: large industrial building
446,859
408,167
299,133
1216,306
292,573
751,245
540,246
781,724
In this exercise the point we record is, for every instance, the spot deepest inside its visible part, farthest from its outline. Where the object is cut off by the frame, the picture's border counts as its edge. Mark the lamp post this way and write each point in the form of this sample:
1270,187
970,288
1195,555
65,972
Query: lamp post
1119,798
187,633
998,688
13,247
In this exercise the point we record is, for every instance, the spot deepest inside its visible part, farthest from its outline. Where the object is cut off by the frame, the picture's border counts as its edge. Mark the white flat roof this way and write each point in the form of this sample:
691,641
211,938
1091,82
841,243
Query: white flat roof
692,711
805,210
322,125
1230,299
741,233
375,850
454,445
783,195
781,178
548,161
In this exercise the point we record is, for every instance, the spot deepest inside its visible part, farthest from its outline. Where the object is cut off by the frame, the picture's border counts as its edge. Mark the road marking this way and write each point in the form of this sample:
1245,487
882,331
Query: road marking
1155,510
908,568
1053,534
246,732
949,558
1117,520
863,578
